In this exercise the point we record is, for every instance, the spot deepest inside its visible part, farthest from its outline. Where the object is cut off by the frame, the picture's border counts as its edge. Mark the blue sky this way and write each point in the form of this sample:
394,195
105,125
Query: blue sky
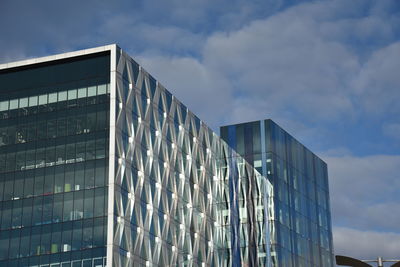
327,71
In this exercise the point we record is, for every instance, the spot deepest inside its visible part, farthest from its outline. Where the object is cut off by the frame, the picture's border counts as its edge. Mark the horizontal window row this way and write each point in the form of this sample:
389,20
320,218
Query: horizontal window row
156,121
53,208
53,238
175,186
182,240
288,216
56,153
169,150
80,121
287,169
173,214
296,242
164,104
55,97
50,180
62,259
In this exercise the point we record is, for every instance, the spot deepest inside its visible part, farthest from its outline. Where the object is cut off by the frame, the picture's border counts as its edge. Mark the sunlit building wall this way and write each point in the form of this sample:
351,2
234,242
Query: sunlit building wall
101,165
299,217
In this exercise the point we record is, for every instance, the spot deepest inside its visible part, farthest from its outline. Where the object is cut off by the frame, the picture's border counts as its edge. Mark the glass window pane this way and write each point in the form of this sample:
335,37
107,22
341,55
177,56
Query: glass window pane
4,244
52,128
49,182
56,239
90,149
68,205
59,179
81,124
42,99
40,157
100,148
78,205
28,185
1,190
87,238
60,154
62,96
3,105
23,102
82,92
53,98
27,212
102,89
69,178
30,159
57,208
33,101
17,214
14,104
77,236
61,127
47,209
25,241
35,241
9,185
99,202
10,161
89,175
37,210
79,176
101,120
70,153
14,243
80,151
72,94
31,131
91,91
100,173
18,185
91,121
6,218
88,205
72,125
98,239
39,181
41,129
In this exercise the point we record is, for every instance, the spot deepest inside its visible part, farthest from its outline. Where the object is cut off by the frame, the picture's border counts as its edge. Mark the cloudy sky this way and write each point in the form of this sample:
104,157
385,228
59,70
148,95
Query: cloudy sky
327,71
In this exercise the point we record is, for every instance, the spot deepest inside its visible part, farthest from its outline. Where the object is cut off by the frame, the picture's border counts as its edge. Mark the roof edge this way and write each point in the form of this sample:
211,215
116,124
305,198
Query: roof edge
32,61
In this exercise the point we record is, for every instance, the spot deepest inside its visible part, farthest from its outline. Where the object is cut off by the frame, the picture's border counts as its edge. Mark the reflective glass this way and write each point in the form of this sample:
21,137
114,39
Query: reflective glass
45,209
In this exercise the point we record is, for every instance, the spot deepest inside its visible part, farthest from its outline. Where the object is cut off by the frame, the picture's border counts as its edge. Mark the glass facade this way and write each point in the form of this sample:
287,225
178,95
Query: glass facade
299,214
173,180
100,165
54,130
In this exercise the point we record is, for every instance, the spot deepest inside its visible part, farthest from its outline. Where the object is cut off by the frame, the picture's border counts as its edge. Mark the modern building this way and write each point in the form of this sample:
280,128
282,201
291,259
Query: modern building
299,215
100,165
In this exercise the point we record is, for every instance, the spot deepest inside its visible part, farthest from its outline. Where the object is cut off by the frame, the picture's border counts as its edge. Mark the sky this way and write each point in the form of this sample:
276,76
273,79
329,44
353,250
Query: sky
326,71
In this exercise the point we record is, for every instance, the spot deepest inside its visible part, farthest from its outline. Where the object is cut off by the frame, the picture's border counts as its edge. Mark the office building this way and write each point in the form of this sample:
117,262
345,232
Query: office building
100,165
299,218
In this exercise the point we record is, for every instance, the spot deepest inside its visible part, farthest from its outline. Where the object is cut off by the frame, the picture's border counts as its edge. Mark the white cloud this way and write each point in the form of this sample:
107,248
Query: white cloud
290,64
365,205
297,67
378,82
149,38
364,191
207,95
366,245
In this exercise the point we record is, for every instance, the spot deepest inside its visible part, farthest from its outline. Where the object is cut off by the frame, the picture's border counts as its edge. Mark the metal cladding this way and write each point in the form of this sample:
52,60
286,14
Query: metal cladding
175,181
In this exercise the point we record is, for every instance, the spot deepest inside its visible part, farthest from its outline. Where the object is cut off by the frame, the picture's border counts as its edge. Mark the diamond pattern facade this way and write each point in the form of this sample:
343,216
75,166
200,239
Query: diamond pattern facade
177,188
177,194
